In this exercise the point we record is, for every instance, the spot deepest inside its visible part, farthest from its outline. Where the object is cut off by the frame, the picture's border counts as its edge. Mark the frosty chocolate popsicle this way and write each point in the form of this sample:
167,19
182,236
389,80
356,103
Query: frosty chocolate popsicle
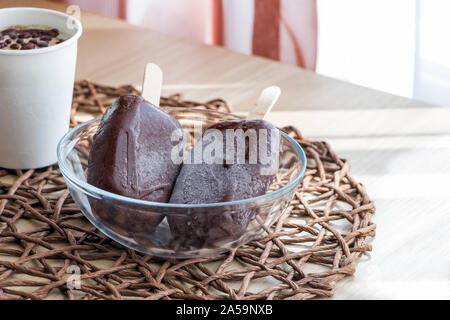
131,156
244,169
218,178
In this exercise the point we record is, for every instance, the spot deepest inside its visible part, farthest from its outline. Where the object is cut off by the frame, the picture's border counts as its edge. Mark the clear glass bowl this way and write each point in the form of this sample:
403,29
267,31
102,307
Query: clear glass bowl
201,229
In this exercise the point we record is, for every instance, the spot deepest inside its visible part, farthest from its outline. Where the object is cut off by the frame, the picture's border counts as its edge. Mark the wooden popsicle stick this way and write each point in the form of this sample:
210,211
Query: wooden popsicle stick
152,84
266,101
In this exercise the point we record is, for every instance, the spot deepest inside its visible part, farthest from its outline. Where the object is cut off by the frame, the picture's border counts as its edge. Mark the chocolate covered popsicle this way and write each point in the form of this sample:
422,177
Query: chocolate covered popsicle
131,156
245,169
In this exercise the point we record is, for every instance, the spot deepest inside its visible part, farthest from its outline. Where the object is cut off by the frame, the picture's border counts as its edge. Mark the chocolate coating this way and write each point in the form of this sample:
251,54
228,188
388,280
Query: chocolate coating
131,156
220,181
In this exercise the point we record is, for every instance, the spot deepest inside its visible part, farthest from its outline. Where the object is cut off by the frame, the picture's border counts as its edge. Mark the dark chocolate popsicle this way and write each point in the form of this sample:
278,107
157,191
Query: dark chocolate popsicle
131,156
234,174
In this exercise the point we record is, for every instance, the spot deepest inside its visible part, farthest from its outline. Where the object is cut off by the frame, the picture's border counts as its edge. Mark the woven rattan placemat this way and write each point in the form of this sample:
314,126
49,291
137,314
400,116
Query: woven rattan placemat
45,240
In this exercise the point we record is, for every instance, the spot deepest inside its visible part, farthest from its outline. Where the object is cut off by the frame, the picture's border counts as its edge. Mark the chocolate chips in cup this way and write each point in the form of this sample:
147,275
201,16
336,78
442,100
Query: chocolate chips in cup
26,38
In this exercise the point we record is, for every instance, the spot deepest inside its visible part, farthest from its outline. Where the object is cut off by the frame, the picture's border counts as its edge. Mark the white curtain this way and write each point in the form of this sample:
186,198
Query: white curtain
187,19
368,42
432,65
400,46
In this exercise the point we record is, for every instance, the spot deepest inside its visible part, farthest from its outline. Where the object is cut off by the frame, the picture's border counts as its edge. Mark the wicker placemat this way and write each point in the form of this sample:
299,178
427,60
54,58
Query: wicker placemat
45,240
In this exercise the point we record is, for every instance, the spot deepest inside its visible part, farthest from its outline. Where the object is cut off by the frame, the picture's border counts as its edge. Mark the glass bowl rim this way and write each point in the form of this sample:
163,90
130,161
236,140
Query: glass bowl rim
95,192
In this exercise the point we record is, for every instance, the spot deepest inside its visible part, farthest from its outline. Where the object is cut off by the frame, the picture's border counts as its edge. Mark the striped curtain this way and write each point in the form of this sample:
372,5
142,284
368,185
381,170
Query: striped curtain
110,8
284,30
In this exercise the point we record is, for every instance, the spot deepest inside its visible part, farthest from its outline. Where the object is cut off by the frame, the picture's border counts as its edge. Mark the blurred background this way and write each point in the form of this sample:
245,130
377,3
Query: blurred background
400,46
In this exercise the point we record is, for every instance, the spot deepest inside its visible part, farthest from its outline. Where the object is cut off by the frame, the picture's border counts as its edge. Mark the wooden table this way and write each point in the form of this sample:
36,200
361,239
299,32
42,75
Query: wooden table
399,148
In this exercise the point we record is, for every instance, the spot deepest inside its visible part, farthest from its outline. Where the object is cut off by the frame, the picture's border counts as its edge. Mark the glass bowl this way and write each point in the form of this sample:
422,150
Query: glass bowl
201,229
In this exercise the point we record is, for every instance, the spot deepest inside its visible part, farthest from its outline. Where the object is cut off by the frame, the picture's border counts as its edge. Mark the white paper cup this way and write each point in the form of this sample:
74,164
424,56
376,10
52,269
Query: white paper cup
36,88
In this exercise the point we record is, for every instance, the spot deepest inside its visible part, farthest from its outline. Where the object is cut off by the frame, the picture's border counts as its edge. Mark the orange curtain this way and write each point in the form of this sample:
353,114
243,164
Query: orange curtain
284,30
266,29
217,21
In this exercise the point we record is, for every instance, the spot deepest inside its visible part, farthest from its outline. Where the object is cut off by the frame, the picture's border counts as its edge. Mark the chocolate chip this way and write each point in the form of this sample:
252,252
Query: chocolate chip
2,45
42,44
37,38
28,46
9,32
